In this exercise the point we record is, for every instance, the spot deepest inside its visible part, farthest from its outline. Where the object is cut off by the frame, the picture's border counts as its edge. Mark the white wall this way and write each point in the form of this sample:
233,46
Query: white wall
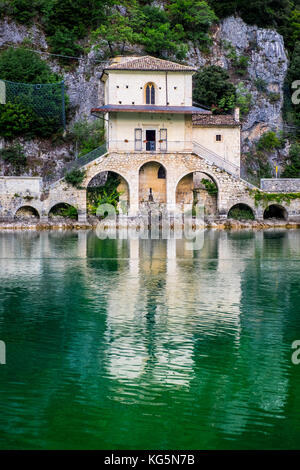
230,146
128,87
122,126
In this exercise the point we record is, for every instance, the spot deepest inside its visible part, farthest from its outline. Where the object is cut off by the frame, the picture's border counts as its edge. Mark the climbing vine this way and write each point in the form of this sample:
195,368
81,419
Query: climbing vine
266,198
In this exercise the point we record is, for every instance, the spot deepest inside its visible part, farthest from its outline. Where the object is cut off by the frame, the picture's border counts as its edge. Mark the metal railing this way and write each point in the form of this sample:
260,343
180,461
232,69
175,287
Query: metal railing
157,146
216,159
87,158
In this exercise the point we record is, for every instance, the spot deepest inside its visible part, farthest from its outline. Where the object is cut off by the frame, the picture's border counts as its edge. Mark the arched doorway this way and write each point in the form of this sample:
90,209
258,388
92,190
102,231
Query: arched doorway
152,184
63,210
108,187
27,212
275,211
198,188
241,212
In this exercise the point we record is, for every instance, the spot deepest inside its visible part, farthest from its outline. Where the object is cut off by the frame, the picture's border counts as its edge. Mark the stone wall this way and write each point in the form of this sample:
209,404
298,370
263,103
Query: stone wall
231,190
280,185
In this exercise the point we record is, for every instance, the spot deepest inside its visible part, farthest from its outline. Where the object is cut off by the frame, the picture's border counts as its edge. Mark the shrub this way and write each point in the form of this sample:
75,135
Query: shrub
75,177
106,194
210,187
243,99
14,156
261,84
241,213
65,210
211,85
292,170
15,119
269,141
273,97
23,65
88,135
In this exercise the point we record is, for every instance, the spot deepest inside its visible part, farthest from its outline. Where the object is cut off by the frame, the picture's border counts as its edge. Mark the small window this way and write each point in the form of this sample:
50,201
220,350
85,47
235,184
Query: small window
150,93
218,138
161,173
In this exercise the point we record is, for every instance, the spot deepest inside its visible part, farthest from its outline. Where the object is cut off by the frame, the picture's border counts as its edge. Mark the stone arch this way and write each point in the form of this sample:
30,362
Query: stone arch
63,210
27,212
189,189
106,178
275,211
241,211
151,187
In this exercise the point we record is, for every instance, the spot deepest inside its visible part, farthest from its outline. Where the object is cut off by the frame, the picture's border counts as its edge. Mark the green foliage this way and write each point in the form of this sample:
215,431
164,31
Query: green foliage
210,187
15,119
269,141
64,42
23,65
87,135
14,156
292,170
115,33
265,198
65,210
241,213
212,88
261,84
24,11
260,12
273,97
243,99
238,62
195,16
19,120
75,177
106,194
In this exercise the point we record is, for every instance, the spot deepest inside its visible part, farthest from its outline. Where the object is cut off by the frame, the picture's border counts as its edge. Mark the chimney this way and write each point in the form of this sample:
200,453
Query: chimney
237,114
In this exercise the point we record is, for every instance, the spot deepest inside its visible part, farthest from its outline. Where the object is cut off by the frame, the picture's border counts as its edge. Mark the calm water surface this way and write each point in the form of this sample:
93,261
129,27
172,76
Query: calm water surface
140,344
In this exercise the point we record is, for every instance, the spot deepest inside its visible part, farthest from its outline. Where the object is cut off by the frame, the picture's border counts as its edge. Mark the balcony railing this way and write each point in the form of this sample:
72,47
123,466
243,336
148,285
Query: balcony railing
151,146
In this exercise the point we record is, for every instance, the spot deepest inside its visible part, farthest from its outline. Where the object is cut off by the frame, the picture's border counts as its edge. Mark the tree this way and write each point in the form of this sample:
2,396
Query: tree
212,88
115,33
292,170
23,65
195,16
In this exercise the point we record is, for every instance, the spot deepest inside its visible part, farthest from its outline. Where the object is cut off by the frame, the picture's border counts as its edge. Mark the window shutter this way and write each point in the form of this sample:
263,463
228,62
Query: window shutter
163,140
138,134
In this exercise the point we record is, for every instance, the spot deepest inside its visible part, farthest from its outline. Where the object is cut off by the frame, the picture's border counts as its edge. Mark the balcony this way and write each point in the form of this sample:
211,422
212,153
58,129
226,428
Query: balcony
150,146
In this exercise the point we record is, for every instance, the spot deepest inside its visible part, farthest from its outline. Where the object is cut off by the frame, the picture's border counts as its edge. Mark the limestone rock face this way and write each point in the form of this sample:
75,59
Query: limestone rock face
268,62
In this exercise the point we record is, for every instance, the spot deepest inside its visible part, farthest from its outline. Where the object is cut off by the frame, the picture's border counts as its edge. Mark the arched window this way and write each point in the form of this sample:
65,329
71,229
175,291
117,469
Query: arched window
161,173
150,93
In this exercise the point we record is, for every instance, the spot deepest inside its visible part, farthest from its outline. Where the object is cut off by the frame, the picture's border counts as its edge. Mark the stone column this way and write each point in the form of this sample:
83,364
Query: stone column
133,195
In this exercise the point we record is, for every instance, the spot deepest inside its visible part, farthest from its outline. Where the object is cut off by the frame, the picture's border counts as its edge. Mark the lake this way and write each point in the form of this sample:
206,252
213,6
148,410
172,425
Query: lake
145,344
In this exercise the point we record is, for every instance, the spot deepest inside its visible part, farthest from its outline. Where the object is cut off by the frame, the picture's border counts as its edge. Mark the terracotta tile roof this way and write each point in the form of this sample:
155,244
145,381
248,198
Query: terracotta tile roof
150,63
214,120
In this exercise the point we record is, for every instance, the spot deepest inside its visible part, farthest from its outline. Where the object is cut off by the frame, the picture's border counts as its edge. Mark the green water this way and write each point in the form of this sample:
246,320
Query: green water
128,344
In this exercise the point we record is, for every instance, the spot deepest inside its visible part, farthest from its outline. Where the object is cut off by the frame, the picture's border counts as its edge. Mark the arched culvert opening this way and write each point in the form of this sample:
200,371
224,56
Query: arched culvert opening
108,187
198,188
27,213
152,183
63,211
241,212
275,211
